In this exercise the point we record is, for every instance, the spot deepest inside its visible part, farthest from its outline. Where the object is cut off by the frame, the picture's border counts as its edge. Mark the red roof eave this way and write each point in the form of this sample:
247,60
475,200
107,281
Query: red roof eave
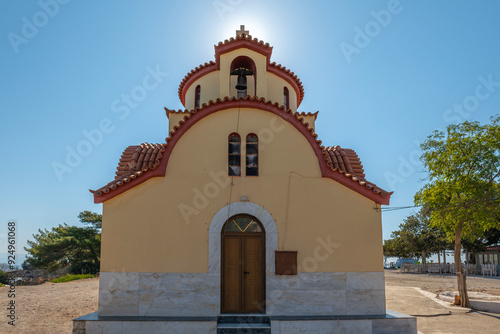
352,182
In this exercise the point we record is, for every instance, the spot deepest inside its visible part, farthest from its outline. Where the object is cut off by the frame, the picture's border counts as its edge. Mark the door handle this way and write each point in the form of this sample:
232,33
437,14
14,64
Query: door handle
246,272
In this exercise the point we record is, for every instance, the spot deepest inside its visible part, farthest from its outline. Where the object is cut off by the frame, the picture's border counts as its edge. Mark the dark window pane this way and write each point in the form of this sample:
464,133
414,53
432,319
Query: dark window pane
234,160
251,139
234,139
251,149
252,171
234,148
197,96
234,171
252,160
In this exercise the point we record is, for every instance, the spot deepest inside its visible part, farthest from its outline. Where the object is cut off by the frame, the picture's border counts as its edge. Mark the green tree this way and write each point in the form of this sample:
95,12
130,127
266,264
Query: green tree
415,238
62,246
4,278
91,218
462,193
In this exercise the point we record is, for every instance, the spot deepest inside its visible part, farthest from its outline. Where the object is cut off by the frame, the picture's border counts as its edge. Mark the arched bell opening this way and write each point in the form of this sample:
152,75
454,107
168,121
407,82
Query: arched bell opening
243,78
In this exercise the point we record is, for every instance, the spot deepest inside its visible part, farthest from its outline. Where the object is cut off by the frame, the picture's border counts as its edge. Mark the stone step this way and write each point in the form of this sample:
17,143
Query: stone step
243,328
243,319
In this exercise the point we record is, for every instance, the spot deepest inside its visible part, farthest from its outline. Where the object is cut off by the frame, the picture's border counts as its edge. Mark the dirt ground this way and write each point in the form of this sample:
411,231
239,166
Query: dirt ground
440,282
50,308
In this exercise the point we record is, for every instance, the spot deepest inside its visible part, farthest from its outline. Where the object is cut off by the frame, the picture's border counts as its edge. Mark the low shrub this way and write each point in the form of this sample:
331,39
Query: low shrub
3,277
69,277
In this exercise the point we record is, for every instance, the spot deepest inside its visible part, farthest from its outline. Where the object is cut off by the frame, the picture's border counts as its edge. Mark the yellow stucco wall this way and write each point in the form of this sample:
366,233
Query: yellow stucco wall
145,231
174,118
275,91
311,120
209,85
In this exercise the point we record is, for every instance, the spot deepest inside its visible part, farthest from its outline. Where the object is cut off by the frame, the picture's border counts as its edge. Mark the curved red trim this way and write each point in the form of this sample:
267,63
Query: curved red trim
189,81
287,78
326,171
206,70
238,44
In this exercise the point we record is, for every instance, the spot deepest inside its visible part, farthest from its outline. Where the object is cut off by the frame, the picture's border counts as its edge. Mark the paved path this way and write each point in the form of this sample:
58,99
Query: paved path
434,317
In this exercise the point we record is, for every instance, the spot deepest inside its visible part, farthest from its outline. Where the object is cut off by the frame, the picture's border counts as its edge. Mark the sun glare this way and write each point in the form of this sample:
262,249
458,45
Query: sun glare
257,29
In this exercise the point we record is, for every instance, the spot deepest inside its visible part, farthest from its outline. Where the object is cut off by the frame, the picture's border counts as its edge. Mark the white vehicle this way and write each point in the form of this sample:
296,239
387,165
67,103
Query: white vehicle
399,262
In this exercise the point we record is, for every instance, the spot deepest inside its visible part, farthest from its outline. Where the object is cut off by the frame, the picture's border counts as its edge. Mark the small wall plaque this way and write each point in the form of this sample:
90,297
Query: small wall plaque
286,262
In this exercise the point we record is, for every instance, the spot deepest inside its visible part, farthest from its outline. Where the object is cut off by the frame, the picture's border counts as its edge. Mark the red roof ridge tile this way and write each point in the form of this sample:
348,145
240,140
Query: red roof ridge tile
233,99
135,161
303,114
245,37
293,76
191,73
352,168
347,162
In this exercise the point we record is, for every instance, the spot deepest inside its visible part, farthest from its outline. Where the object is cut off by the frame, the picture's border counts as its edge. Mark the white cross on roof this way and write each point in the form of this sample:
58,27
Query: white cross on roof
242,31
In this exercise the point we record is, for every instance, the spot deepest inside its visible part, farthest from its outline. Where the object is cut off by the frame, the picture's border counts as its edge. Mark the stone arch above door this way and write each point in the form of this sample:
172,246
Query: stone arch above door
221,217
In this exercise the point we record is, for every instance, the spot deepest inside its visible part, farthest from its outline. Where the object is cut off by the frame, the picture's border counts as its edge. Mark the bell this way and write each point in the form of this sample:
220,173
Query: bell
242,82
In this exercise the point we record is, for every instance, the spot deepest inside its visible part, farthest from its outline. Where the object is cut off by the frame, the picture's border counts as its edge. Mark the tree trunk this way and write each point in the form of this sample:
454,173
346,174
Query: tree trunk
461,273
439,258
444,256
423,257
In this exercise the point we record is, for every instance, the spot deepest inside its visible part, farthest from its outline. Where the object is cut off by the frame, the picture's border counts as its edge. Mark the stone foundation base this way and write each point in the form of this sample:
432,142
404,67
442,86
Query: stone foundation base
391,322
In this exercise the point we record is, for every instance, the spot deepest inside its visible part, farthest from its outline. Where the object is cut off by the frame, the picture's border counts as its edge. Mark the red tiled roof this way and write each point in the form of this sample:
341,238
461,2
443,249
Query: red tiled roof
134,162
493,248
345,160
232,44
139,163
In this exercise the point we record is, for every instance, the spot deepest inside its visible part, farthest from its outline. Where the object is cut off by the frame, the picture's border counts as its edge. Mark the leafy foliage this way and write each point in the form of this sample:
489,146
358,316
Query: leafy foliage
3,277
92,218
464,170
62,246
490,237
415,238
69,278
463,191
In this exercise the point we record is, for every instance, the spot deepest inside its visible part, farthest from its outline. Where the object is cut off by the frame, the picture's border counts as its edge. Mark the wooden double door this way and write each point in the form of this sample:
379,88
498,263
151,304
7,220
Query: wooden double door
243,272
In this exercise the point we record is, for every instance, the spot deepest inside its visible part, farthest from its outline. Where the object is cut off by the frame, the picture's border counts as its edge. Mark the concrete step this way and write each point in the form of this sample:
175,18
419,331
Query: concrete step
244,328
244,318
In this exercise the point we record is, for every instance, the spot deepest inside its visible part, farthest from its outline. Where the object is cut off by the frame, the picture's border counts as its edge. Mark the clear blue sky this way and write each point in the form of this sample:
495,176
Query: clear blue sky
379,91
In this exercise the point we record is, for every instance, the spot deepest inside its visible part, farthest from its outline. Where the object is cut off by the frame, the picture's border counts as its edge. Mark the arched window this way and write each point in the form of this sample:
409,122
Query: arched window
286,97
243,223
234,154
197,94
252,159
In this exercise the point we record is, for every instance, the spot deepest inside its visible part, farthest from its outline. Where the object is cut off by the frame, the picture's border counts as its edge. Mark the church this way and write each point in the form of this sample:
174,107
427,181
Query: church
241,221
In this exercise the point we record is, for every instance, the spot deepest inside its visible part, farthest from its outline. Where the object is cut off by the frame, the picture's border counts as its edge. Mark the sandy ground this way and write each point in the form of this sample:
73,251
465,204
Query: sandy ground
50,308
439,283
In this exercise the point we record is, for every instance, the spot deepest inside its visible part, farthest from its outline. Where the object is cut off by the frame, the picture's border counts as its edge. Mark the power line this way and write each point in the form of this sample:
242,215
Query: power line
396,208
